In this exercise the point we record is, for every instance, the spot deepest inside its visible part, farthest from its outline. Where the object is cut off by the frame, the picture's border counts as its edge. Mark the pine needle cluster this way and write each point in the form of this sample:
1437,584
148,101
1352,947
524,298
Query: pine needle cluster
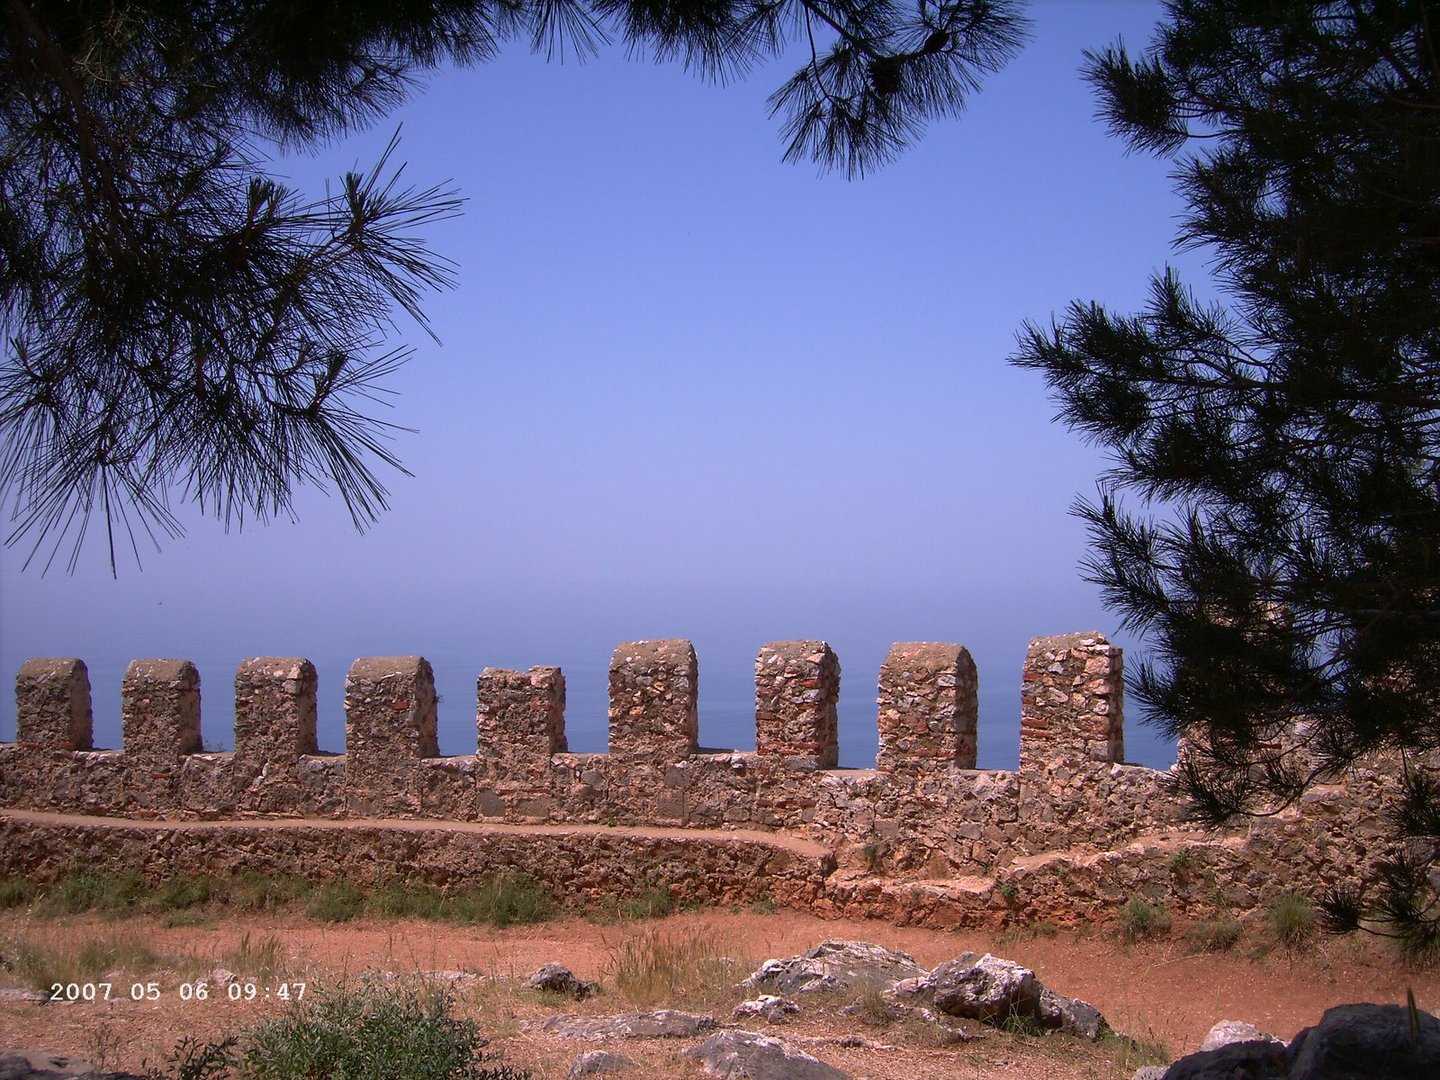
1285,442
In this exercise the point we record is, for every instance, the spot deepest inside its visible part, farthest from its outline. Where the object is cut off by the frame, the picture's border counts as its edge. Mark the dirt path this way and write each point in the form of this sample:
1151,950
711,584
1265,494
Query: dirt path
1157,991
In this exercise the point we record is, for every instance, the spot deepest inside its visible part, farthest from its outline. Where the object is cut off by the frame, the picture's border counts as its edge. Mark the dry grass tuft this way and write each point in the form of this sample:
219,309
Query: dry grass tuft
684,968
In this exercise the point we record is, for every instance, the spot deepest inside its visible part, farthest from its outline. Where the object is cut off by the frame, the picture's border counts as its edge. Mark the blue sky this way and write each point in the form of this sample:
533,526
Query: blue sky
688,390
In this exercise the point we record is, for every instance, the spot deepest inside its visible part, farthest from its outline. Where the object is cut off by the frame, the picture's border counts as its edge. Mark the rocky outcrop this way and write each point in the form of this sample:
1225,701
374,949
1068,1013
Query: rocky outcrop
767,1007
752,1056
558,979
43,1065
984,988
598,1062
1070,1015
998,991
660,1024
1257,1060
970,987
1352,1041
833,966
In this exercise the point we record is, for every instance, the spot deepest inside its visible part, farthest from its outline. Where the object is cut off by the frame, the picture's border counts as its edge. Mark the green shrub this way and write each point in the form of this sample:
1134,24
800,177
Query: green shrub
1182,861
503,900
337,901
15,891
396,1032
254,891
398,900
873,854
653,902
109,894
180,893
1140,919
1292,920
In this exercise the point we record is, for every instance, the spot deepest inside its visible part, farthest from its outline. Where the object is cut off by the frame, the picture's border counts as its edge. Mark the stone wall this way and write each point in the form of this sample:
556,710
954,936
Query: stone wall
922,837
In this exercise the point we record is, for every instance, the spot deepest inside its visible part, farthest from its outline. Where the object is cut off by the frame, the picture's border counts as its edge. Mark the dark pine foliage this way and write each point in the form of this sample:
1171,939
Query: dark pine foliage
177,324
1286,442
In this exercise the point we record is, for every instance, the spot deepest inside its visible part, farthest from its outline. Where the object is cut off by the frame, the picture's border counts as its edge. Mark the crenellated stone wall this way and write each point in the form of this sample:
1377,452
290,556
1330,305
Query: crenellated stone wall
922,837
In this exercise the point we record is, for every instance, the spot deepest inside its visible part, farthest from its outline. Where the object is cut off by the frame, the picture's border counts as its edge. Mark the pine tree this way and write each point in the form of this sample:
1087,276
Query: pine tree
1284,443
178,324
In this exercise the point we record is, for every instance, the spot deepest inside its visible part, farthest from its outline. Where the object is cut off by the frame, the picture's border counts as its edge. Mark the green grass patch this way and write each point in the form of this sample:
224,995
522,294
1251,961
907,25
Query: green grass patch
503,900
109,894
335,901
16,891
500,900
1140,920
259,958
1131,1054
253,891
398,900
1214,935
90,959
183,893
1292,920
652,902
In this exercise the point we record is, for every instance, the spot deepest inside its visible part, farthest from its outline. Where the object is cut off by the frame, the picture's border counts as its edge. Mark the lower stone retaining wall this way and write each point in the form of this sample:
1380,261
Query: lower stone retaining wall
580,865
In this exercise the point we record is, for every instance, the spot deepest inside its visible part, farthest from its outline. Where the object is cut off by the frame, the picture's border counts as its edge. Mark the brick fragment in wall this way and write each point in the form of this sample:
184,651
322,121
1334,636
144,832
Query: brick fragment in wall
160,725
390,708
927,707
1072,703
275,715
520,722
52,704
653,700
797,687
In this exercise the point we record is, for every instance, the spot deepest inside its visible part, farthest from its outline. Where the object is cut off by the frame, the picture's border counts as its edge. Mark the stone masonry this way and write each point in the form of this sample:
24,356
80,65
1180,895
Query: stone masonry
52,704
924,837
928,708
797,689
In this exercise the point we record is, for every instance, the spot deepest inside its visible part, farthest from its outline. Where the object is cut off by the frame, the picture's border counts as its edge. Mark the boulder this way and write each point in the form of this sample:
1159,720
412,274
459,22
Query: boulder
767,1007
558,979
1226,1032
994,990
595,1062
1357,1042
43,1065
1070,1015
833,966
1255,1060
752,1056
661,1024
1351,1042
984,988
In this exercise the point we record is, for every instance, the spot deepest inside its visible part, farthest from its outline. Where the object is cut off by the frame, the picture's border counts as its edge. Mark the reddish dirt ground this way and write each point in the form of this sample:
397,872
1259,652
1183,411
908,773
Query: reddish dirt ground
1159,992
